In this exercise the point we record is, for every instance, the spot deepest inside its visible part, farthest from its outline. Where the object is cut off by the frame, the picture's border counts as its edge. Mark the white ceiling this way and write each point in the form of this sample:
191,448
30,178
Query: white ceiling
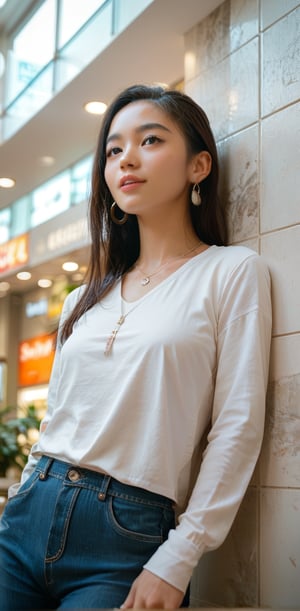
150,50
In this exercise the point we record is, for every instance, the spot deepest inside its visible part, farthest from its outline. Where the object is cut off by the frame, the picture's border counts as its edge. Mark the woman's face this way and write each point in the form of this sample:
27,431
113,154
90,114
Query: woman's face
147,166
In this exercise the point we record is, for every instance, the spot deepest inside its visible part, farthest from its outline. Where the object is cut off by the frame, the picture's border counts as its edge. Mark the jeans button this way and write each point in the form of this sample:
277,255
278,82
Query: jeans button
73,475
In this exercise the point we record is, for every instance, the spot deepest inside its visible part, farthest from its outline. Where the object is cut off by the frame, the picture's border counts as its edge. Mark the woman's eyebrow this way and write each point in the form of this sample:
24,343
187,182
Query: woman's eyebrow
145,126
141,128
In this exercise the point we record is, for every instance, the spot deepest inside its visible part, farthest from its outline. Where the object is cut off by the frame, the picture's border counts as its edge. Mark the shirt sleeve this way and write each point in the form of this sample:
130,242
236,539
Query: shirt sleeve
237,424
33,456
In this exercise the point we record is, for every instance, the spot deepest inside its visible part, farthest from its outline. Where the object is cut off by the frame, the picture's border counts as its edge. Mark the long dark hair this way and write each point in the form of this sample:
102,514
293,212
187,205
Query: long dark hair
114,247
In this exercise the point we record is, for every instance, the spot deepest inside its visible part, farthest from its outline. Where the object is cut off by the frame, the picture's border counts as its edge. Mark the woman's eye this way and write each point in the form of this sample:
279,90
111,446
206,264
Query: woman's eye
151,140
113,151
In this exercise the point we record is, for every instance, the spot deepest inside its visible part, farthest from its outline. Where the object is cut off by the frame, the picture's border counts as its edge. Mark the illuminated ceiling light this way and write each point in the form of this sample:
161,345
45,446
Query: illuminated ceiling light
4,286
95,108
190,63
44,283
7,183
70,266
47,161
2,2
24,276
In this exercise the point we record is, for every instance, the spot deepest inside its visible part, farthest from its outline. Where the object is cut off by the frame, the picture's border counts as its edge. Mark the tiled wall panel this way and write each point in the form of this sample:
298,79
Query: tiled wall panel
246,78
229,91
229,27
280,549
281,63
280,460
281,250
228,576
271,10
280,137
238,157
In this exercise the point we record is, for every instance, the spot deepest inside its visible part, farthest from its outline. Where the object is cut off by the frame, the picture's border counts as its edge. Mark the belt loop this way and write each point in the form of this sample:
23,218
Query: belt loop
45,469
105,485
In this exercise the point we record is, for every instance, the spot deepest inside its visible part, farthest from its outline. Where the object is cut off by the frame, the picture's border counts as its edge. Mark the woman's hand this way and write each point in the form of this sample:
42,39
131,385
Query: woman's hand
150,592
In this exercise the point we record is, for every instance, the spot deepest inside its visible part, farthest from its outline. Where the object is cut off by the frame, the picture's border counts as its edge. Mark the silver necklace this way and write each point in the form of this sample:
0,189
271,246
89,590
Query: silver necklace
146,278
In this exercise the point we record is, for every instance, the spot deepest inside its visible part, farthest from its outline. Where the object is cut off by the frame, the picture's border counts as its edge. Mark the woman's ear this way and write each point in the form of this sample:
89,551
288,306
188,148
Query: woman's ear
200,166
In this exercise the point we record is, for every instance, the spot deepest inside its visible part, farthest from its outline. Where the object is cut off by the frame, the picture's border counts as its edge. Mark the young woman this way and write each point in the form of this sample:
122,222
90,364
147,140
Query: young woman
164,348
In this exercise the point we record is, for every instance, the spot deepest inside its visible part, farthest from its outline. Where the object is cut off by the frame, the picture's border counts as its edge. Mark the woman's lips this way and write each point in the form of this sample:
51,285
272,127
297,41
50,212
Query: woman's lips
128,183
130,186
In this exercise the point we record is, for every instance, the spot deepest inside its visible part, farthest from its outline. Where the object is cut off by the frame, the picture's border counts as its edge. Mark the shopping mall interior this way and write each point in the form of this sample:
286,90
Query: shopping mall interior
60,66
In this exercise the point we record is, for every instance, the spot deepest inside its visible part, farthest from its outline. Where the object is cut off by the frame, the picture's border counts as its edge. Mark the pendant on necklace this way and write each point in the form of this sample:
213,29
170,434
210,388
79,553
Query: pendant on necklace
112,337
145,281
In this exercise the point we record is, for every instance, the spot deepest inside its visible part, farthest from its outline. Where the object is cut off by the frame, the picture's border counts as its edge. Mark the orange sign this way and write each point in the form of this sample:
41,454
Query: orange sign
35,360
14,253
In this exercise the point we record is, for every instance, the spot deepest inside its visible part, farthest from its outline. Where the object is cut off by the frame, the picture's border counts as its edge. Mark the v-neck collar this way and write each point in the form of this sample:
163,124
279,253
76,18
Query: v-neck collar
182,268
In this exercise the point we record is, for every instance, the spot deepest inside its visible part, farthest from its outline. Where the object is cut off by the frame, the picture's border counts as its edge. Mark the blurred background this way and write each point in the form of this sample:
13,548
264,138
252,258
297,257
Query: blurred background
61,63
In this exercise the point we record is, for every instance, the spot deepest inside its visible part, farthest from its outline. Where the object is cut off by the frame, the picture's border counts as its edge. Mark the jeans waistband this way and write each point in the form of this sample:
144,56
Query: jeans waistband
104,485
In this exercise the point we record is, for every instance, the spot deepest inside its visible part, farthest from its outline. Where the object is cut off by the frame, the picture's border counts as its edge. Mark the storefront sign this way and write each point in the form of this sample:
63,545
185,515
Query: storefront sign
14,254
67,231
66,236
35,360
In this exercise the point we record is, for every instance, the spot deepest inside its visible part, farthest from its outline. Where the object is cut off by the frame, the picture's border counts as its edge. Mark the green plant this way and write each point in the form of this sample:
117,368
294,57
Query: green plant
15,436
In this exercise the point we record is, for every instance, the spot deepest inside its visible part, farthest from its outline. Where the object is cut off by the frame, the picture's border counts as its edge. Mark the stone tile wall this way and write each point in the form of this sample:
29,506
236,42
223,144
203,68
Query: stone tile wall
242,64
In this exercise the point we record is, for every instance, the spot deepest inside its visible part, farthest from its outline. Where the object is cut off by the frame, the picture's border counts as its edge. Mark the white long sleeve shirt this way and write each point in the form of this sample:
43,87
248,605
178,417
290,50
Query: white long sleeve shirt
191,355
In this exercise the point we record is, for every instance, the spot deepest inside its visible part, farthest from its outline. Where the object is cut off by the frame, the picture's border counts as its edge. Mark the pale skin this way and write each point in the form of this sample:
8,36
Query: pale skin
149,174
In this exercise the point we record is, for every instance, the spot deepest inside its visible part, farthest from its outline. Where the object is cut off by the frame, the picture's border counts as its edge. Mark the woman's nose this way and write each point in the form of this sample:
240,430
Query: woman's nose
128,158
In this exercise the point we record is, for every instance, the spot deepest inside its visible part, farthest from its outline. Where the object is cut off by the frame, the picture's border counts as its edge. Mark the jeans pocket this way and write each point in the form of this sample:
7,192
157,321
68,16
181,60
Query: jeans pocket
25,488
136,520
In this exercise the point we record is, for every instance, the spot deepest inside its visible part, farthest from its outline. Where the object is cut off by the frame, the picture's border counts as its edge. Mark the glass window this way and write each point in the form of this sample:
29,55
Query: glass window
73,15
5,216
20,216
81,180
37,94
51,198
88,42
33,47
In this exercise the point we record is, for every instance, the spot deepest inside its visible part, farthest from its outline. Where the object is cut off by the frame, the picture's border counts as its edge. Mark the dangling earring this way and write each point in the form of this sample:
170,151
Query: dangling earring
196,195
114,218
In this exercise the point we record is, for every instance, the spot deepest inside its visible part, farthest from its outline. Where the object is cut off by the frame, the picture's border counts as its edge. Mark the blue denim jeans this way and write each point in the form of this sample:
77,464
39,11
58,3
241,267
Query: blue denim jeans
74,538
